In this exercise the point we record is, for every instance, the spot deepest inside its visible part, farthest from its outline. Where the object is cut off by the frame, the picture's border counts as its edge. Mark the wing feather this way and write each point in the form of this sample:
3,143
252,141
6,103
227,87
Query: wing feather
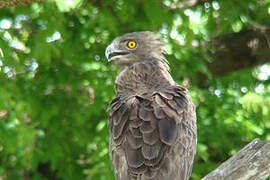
167,131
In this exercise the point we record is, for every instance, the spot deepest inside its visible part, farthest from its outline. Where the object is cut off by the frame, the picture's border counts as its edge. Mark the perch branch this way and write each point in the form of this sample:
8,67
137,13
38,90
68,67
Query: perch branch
252,162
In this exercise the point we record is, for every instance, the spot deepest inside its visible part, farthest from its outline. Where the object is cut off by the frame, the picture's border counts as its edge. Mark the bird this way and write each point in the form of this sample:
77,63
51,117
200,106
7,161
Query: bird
152,119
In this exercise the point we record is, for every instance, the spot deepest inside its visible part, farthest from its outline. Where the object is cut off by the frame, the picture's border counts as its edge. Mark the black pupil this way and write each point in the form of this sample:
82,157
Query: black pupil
131,44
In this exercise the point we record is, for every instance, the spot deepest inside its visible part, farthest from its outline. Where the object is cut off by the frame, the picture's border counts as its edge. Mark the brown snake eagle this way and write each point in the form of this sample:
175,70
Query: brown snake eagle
153,133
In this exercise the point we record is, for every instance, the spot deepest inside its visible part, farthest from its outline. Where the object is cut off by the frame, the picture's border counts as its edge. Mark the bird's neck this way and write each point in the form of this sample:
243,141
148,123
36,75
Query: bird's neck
142,77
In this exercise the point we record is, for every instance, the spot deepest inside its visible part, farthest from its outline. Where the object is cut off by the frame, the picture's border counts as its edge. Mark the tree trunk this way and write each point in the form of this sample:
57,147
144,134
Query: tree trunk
252,162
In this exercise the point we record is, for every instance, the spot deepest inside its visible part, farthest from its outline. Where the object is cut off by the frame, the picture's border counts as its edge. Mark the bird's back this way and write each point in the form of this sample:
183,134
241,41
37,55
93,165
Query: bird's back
153,130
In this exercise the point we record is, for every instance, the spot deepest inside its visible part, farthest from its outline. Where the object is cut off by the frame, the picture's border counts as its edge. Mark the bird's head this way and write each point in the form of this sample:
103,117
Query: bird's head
134,47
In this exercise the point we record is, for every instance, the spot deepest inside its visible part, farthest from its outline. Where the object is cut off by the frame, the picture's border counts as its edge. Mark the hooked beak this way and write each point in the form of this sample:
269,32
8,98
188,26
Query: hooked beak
112,53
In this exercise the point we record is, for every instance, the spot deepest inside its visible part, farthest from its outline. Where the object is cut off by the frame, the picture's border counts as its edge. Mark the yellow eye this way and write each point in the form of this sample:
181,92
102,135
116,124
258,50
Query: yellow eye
131,44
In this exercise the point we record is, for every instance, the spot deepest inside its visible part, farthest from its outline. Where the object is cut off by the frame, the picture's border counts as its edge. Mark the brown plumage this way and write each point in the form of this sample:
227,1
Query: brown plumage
153,133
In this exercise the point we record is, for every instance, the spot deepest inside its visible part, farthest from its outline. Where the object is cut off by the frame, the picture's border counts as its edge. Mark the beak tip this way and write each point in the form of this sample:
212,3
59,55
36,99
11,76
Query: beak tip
108,51
106,54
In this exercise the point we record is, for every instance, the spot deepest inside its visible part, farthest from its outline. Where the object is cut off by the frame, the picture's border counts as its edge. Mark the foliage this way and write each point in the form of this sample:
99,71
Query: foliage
55,84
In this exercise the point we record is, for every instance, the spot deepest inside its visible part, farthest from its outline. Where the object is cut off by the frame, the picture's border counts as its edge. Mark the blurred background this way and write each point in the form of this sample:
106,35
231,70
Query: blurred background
55,83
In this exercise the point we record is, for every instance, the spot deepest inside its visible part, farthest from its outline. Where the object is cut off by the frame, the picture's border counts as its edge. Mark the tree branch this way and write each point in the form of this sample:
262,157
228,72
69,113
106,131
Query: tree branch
252,162
247,48
13,3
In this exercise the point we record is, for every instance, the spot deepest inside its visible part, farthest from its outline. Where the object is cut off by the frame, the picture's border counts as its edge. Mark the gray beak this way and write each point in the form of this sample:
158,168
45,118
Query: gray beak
108,51
113,53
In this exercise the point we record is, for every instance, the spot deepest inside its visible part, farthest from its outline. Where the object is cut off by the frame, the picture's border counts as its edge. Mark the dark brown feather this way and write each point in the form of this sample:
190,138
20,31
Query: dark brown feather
167,131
